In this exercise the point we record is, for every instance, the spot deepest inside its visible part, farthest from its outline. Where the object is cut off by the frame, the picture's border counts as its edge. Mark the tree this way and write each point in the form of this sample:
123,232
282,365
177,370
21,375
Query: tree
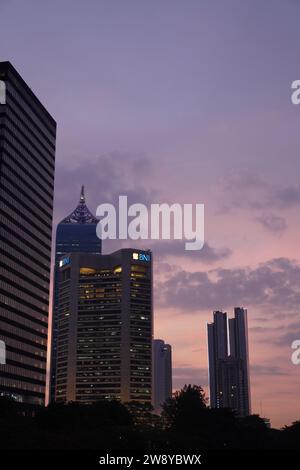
74,415
186,409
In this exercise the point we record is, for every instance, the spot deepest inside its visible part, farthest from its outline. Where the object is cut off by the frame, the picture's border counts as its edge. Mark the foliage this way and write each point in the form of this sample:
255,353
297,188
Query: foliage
186,425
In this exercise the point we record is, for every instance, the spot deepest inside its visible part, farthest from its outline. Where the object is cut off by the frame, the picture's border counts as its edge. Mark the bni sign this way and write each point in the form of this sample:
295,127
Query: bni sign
141,257
63,262
2,92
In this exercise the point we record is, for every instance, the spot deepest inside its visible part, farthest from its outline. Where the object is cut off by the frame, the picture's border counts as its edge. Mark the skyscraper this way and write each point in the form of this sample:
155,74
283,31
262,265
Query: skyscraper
217,350
104,342
229,373
162,373
239,350
75,233
27,155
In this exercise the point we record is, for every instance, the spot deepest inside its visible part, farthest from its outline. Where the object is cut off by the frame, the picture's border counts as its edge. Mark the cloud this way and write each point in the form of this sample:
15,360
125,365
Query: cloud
114,174
289,333
176,248
288,196
189,375
281,335
273,286
266,370
199,376
242,189
105,178
272,223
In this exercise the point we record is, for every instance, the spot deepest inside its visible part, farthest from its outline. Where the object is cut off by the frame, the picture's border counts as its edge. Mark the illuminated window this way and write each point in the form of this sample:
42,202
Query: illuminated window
118,269
138,268
87,271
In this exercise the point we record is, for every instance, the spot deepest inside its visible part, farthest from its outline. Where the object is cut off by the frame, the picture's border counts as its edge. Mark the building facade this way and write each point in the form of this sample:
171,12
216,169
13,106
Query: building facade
228,356
217,351
239,350
105,324
27,157
162,373
75,233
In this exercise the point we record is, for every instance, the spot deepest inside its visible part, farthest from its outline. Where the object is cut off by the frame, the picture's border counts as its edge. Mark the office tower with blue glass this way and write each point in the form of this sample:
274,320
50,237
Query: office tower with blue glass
162,374
228,356
27,157
104,327
75,233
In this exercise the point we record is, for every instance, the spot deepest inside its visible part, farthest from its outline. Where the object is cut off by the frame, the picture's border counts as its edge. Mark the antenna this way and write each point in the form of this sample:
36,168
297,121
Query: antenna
82,196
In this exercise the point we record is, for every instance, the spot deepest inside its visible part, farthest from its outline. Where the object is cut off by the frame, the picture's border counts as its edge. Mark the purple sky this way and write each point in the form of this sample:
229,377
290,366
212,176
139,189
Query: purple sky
185,101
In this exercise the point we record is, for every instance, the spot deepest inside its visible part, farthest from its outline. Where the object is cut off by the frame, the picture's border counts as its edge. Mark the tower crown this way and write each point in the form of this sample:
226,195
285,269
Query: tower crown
80,215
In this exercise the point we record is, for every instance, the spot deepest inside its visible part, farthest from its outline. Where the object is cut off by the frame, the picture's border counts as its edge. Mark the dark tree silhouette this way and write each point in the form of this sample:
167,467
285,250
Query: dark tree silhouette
186,408
186,425
79,416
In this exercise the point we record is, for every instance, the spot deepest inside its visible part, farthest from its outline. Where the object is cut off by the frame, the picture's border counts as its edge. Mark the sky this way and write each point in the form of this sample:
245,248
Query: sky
188,102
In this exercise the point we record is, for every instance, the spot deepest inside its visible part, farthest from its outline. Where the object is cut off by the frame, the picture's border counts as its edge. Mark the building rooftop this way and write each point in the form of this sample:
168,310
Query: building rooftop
81,215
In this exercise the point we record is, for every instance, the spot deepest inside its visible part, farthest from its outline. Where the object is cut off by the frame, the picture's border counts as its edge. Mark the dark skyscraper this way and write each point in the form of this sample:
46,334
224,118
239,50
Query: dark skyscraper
75,233
217,351
104,342
229,373
239,350
27,155
162,373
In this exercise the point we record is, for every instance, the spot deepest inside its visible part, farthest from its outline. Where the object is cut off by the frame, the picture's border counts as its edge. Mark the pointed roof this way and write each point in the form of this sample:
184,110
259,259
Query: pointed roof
81,215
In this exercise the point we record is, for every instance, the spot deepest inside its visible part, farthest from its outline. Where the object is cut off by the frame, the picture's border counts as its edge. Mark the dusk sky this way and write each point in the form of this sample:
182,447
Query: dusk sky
189,102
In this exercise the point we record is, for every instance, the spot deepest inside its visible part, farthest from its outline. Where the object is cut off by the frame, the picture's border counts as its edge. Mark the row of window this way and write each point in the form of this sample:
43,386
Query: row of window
23,238
12,263
16,187
4,326
21,347
24,323
11,291
32,151
32,138
26,108
14,150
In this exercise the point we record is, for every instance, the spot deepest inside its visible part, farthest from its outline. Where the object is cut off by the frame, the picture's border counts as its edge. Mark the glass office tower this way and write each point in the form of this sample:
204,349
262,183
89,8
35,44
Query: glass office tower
217,333
229,369
239,350
162,373
104,343
75,233
27,154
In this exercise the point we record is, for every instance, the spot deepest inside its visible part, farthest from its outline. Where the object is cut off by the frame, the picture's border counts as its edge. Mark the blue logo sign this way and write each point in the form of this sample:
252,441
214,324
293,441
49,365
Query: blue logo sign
64,261
141,257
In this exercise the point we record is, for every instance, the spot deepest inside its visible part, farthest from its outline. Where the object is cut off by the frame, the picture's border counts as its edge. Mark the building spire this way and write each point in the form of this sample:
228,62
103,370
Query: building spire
81,215
82,196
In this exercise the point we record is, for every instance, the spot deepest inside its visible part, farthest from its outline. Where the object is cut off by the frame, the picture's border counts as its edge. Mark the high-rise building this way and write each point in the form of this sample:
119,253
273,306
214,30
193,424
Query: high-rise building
75,233
27,155
228,357
239,350
217,351
162,373
104,342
